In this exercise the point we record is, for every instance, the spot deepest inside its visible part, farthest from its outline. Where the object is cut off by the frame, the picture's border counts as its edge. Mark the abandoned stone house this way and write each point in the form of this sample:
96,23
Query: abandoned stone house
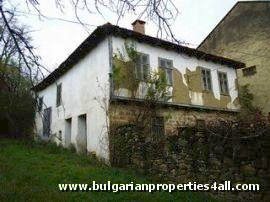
74,99
244,35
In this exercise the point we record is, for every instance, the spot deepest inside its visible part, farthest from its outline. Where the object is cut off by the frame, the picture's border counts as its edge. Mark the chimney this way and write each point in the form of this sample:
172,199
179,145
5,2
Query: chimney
138,26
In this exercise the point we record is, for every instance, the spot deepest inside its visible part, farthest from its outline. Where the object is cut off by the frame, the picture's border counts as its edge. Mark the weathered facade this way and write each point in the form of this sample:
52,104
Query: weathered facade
187,85
244,35
77,99
175,117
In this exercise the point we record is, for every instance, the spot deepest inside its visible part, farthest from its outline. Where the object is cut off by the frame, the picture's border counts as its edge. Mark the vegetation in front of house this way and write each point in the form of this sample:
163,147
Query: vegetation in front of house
237,150
126,76
31,171
17,104
154,83
19,71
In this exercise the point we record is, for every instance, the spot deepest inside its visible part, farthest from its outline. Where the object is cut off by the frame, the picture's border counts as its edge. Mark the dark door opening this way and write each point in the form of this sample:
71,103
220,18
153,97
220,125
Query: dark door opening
68,123
47,116
82,134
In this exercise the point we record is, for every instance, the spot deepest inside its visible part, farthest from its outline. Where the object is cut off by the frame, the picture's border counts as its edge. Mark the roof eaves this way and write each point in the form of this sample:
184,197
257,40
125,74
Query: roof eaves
125,33
107,29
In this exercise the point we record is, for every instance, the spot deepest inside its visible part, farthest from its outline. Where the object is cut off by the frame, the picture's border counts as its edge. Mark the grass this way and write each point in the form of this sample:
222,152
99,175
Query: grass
32,171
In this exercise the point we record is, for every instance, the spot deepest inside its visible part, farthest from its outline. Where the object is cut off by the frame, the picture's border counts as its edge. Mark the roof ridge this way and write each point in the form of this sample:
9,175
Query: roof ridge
172,43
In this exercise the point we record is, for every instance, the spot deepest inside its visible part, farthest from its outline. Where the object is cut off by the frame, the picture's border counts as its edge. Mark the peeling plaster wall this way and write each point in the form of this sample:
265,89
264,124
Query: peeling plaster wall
187,86
79,90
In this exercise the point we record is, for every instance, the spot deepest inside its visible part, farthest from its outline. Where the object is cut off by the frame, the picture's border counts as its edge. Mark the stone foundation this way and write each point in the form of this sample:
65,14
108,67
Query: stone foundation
187,154
175,117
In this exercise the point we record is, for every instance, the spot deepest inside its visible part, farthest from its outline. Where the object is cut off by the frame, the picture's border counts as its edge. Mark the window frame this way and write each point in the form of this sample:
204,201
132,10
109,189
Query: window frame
58,95
169,81
47,122
140,65
246,71
160,127
227,83
40,104
202,82
200,125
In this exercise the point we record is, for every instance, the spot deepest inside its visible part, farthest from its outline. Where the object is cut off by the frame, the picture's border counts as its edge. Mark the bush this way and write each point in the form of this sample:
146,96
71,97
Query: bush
17,104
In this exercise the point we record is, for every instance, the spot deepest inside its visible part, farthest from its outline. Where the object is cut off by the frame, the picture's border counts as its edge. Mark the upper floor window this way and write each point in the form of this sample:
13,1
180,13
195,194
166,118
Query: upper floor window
39,103
249,71
167,66
58,94
142,68
206,79
223,83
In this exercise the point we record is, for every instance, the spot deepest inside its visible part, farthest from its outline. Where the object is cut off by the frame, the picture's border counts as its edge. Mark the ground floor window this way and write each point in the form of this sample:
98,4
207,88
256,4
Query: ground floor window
157,127
47,116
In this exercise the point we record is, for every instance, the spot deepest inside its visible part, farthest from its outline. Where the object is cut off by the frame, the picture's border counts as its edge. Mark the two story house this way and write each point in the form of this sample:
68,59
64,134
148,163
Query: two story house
76,99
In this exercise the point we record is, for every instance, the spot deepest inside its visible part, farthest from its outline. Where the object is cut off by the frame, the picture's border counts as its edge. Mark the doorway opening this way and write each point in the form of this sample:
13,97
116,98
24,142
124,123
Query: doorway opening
82,134
68,123
47,118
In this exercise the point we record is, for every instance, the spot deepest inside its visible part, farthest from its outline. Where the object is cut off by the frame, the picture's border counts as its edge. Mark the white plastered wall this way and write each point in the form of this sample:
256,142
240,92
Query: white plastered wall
182,62
85,87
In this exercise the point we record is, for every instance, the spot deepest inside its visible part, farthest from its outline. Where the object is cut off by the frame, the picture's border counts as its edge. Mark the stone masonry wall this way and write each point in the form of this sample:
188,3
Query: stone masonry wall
187,153
124,113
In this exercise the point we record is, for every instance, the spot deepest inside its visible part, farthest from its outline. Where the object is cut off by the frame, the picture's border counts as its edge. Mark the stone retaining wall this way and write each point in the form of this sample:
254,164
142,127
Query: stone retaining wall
187,154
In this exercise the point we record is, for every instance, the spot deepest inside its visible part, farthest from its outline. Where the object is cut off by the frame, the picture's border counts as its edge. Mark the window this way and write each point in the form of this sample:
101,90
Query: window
142,67
200,125
167,66
47,117
157,127
58,94
206,79
249,71
40,103
223,83
60,135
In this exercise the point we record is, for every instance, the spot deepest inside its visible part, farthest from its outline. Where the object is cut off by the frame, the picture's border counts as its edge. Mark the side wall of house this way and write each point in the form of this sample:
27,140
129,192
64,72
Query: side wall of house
85,90
187,83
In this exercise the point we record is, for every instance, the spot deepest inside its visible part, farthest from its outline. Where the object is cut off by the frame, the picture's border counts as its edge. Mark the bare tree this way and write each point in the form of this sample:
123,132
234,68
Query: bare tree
161,12
15,46
15,43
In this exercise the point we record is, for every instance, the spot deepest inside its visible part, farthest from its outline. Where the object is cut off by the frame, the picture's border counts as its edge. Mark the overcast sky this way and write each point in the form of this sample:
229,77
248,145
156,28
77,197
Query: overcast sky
56,39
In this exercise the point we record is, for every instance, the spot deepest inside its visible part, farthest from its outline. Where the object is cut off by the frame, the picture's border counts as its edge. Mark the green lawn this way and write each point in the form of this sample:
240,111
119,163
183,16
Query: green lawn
31,172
